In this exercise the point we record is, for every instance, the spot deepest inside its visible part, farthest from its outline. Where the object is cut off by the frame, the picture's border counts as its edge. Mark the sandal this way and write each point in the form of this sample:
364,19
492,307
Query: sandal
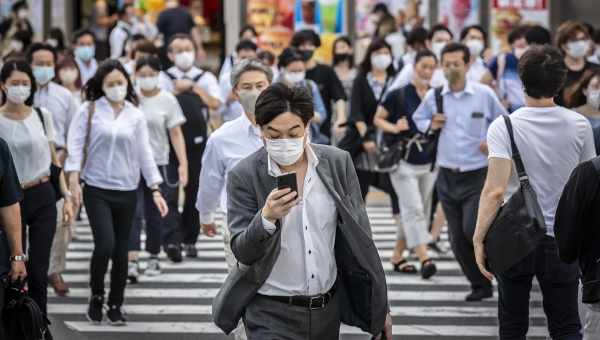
428,269
404,267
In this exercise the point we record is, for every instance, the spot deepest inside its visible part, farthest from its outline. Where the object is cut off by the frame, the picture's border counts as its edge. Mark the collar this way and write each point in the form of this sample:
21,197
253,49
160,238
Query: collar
104,103
469,89
193,71
247,125
83,64
274,170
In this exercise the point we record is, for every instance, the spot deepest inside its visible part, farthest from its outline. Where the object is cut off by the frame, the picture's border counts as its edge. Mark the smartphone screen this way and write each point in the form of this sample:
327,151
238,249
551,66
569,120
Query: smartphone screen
287,181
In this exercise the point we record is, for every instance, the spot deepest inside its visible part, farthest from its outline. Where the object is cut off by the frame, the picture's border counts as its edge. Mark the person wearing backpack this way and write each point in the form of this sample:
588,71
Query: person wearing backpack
197,92
546,163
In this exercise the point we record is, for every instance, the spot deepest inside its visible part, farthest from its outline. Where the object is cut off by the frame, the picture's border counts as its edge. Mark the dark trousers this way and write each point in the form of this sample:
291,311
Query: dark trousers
559,283
459,194
381,181
159,231
38,213
190,218
110,213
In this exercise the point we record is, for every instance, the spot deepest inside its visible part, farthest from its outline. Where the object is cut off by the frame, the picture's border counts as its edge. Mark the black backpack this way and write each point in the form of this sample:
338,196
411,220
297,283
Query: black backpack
22,318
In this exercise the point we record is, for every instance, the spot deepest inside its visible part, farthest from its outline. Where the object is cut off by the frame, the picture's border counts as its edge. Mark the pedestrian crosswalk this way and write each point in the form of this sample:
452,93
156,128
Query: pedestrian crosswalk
177,304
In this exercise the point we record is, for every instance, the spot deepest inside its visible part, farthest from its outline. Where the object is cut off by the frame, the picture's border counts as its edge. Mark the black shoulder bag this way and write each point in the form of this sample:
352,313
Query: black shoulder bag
519,225
390,154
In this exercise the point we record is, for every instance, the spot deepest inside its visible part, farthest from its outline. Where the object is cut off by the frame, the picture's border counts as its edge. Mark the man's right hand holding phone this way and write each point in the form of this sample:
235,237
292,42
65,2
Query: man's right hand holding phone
278,204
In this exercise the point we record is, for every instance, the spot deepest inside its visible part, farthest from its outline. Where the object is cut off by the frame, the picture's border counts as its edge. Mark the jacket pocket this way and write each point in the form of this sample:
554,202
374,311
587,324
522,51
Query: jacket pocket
359,287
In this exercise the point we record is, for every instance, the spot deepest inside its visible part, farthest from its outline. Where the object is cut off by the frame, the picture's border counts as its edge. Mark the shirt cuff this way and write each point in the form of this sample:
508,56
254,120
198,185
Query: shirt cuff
269,227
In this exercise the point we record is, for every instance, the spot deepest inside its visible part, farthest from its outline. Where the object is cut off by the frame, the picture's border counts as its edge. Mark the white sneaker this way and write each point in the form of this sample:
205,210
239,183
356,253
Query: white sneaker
133,272
153,268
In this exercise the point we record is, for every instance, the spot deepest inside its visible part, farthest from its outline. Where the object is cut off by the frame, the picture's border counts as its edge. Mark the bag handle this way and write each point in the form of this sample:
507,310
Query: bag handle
86,143
516,155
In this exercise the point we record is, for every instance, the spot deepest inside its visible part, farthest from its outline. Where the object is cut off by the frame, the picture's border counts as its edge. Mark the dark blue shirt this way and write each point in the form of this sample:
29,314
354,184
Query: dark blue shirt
403,102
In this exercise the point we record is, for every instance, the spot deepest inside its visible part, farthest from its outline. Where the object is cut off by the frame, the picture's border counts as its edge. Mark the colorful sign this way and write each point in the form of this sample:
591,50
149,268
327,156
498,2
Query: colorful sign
508,14
273,20
410,13
458,14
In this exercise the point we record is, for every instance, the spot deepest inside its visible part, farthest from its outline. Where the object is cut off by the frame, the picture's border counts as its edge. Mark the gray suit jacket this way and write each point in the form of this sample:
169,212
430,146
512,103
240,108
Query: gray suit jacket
361,279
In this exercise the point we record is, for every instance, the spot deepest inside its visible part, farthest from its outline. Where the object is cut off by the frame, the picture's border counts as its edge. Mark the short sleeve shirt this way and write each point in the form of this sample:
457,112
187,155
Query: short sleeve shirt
10,190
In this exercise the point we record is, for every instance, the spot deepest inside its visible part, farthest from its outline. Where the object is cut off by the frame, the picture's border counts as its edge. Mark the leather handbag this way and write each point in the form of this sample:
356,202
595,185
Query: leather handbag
519,225
389,154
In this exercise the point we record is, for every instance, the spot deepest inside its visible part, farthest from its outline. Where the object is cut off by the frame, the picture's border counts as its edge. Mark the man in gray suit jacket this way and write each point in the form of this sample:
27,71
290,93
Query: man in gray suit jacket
306,258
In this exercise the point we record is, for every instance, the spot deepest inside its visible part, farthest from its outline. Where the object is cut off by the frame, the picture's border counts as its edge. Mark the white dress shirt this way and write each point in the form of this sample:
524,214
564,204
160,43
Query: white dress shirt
232,110
86,71
208,82
306,264
229,144
118,37
119,148
28,144
477,70
62,106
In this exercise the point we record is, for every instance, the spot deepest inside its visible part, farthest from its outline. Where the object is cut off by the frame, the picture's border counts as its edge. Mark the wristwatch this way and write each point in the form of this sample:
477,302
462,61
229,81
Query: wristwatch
18,258
155,190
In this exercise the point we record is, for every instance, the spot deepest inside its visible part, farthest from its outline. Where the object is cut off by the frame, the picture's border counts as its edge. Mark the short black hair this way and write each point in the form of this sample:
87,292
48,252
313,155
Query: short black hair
466,30
152,61
280,98
57,34
543,71
456,47
424,54
376,44
438,28
516,34
123,10
81,33
417,35
305,35
288,56
19,5
145,47
183,36
246,45
380,7
20,65
38,46
93,88
247,28
538,35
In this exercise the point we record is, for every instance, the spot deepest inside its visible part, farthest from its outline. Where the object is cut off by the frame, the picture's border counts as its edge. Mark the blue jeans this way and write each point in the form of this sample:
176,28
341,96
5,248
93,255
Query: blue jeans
559,283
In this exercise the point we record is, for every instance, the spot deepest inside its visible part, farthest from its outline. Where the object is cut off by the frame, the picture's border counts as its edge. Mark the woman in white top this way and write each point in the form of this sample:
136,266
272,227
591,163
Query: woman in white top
69,77
31,144
108,148
164,117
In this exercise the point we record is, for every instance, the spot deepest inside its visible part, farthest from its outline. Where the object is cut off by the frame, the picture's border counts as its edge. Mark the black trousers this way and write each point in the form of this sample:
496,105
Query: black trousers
381,181
459,193
38,214
559,283
190,218
110,213
159,231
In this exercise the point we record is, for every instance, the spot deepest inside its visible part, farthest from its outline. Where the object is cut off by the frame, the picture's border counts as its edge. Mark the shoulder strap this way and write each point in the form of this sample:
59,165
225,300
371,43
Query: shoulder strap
596,162
516,155
196,78
439,99
170,75
38,111
86,143
383,90
501,66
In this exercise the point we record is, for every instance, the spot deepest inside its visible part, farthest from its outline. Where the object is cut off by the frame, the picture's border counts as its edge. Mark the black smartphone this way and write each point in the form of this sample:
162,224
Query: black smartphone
287,181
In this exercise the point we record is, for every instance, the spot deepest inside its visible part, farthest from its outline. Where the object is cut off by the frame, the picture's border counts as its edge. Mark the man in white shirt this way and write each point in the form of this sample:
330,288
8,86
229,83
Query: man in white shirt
122,31
62,106
548,161
85,51
229,144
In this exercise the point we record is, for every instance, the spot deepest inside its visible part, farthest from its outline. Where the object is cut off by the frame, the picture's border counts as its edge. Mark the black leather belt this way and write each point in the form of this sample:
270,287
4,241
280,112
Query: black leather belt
311,302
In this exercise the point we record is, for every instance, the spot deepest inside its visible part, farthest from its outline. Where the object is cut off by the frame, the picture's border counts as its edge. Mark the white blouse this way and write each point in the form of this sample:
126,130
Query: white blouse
119,148
28,144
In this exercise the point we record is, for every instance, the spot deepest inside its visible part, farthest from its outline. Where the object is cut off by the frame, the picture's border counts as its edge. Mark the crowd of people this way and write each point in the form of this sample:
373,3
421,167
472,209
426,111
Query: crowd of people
127,136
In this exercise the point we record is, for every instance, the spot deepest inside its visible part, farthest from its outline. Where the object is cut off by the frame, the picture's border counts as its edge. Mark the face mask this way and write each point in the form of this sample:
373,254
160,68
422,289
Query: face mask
342,57
16,45
85,53
184,60
519,51
381,61
248,100
18,94
307,54
43,74
593,99
437,48
453,76
68,76
578,49
475,47
285,151
147,83
116,94
52,42
23,14
295,77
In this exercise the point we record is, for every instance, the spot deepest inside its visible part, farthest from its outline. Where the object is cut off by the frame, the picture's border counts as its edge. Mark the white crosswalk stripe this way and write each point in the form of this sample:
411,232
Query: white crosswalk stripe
178,302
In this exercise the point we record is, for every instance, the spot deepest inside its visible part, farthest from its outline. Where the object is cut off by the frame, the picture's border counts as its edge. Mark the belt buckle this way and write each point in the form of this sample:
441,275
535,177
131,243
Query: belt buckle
316,298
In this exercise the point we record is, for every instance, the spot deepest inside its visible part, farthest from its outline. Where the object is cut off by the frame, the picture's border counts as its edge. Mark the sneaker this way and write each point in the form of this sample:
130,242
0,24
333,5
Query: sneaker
190,250
115,316
133,272
437,247
94,312
479,294
174,253
153,268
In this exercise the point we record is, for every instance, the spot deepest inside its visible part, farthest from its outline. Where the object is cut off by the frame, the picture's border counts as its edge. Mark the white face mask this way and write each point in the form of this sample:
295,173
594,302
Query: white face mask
593,99
248,100
68,76
475,46
147,83
16,45
437,47
578,49
381,61
23,14
285,151
116,94
184,60
18,94
295,77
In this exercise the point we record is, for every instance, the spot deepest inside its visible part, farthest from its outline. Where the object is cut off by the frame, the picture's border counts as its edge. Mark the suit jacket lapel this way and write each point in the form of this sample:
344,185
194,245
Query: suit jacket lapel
267,181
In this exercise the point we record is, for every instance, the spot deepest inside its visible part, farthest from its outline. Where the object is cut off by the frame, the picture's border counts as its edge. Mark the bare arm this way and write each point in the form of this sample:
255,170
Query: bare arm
11,219
381,122
176,136
210,101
